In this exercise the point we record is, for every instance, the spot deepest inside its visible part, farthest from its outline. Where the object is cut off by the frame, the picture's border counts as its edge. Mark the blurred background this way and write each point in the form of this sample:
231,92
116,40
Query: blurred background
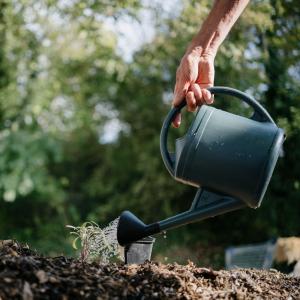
84,88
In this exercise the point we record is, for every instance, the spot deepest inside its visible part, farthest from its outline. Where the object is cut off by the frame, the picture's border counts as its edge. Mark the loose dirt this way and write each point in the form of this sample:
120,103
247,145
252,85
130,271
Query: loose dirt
26,275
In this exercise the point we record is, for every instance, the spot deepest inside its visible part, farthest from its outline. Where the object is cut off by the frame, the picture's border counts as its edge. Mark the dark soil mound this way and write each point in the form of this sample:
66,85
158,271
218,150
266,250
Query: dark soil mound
26,275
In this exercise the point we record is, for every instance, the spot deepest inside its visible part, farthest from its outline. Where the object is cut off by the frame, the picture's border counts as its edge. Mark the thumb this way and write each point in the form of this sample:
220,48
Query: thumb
177,120
179,96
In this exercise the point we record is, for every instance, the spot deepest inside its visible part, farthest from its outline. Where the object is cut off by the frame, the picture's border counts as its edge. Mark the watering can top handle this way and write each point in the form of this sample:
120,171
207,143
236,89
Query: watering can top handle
260,114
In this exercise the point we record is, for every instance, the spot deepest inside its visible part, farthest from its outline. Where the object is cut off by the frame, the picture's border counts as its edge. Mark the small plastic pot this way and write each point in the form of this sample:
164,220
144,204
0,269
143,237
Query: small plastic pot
139,251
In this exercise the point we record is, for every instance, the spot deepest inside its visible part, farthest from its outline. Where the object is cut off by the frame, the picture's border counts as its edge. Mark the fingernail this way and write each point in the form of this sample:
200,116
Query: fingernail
176,125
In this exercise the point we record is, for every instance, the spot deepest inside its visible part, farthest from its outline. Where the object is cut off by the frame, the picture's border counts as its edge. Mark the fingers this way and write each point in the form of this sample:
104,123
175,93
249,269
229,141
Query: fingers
207,96
197,93
202,95
191,101
206,78
196,96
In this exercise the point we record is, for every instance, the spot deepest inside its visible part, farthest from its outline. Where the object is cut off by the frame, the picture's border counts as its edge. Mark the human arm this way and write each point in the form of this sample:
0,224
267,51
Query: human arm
196,70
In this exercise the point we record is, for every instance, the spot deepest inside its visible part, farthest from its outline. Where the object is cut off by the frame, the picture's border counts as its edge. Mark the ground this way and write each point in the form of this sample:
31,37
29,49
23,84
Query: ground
26,275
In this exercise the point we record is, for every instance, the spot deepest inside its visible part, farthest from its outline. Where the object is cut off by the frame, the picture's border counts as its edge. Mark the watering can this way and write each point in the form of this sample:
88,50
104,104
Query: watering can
229,158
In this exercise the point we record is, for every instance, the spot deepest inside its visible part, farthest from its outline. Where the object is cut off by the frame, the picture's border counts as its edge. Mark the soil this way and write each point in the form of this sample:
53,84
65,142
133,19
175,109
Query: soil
26,275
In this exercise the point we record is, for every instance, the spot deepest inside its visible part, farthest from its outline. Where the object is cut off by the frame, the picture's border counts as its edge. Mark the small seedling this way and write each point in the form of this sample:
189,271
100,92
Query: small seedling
97,244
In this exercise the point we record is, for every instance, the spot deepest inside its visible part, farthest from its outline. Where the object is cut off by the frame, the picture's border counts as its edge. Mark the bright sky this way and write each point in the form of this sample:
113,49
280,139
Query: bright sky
133,34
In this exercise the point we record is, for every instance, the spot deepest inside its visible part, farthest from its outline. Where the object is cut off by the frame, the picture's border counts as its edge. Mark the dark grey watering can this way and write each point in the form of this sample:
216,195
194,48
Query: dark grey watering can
229,158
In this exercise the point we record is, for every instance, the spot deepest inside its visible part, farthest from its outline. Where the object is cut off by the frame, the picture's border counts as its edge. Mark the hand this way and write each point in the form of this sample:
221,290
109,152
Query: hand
194,75
196,71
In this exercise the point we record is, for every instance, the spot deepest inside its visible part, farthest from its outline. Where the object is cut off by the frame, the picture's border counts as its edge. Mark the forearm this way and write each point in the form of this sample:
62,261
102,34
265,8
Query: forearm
216,26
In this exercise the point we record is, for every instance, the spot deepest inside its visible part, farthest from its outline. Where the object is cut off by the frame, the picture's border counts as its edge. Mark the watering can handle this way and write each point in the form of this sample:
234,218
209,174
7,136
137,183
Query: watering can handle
260,114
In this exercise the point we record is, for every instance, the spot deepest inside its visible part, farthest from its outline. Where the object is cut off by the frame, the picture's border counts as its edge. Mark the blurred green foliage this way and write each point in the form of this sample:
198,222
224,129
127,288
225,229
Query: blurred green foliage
62,82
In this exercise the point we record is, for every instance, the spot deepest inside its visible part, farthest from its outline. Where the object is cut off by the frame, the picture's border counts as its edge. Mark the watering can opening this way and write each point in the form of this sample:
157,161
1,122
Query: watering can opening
131,228
229,158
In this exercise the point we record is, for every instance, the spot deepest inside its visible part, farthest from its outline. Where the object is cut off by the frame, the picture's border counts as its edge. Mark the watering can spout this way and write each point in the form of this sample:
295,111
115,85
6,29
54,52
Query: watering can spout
205,205
131,228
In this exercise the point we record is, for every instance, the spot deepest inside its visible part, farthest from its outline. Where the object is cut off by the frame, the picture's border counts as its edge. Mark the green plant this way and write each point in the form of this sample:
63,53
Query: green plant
96,244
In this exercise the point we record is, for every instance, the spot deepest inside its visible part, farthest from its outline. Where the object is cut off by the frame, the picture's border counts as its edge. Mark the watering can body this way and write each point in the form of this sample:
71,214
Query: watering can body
229,158
229,154
226,153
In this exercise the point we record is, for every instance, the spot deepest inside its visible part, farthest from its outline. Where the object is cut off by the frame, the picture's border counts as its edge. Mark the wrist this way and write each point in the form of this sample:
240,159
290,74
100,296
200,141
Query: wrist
206,42
216,27
194,50
197,50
